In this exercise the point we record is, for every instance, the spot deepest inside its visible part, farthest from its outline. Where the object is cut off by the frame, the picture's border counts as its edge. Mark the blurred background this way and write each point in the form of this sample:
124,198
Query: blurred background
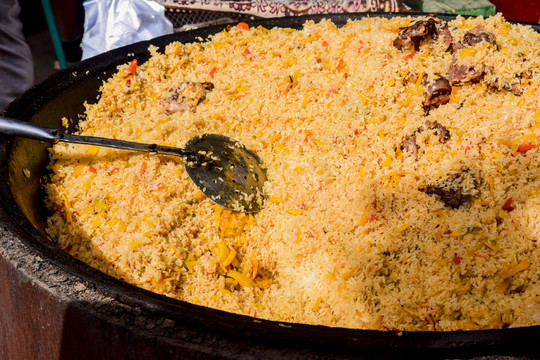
68,21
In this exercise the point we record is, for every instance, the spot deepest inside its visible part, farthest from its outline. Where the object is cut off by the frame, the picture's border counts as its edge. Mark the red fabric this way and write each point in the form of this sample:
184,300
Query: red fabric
519,10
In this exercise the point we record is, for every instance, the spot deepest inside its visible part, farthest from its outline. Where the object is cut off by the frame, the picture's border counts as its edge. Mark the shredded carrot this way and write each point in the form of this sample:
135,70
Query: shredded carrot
309,135
410,56
88,182
243,280
92,169
387,161
67,208
340,65
213,72
230,257
524,265
361,43
317,305
222,251
263,284
144,165
199,195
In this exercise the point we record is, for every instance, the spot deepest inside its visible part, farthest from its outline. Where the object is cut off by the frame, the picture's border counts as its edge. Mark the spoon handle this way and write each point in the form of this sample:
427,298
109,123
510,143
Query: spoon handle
42,133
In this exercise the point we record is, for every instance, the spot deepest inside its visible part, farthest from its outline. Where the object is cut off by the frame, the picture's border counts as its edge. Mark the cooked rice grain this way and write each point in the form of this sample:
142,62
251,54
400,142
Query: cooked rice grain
357,231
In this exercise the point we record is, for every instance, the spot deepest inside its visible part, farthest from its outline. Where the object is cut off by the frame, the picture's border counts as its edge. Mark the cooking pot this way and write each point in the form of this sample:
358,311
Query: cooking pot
74,311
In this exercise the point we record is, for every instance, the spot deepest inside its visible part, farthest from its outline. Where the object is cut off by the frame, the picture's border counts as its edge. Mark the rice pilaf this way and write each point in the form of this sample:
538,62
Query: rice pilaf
402,156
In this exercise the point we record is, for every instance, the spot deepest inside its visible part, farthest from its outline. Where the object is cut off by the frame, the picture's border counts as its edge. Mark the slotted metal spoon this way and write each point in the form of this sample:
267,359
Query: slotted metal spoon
223,169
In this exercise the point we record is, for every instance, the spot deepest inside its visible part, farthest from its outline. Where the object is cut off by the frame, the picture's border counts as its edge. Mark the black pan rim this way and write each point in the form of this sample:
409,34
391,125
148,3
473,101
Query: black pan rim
101,66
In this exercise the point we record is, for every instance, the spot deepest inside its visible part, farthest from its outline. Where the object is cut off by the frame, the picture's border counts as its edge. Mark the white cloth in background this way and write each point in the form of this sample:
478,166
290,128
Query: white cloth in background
110,24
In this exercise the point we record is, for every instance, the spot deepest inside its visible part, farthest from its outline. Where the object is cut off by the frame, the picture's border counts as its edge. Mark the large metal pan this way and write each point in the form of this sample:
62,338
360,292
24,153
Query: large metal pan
63,95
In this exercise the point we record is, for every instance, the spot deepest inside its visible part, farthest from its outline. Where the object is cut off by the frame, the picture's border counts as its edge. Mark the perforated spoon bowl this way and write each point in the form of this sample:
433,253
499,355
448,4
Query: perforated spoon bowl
223,169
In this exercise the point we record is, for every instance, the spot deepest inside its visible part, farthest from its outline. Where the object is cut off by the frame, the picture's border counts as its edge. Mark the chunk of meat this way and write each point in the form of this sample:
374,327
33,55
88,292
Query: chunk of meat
456,46
514,84
444,36
441,130
453,198
438,93
499,85
458,74
409,142
479,35
451,191
186,96
431,28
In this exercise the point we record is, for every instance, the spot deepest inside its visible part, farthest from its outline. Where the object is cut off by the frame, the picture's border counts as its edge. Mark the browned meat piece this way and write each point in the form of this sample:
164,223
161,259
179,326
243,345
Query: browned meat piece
441,130
443,33
479,35
515,84
496,84
459,74
438,93
431,28
450,197
451,190
409,144
412,35
457,46
186,96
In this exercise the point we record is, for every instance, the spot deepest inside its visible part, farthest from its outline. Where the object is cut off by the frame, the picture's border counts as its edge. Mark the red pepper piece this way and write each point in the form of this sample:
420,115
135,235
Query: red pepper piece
525,147
508,205
132,67
243,26
247,54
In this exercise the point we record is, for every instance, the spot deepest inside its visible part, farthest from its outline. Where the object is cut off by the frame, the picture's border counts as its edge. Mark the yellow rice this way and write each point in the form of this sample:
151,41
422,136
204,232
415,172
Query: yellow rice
347,237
